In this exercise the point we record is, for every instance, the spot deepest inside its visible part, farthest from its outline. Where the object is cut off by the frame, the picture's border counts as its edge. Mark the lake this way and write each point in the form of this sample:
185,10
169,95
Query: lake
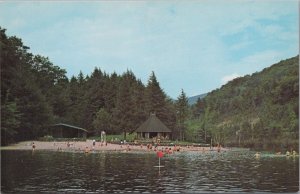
231,171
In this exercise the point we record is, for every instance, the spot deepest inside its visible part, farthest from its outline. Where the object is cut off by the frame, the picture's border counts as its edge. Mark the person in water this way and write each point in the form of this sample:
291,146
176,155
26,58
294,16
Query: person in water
257,155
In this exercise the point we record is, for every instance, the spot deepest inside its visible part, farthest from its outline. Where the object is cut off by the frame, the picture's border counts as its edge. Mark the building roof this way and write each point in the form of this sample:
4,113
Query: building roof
153,124
68,126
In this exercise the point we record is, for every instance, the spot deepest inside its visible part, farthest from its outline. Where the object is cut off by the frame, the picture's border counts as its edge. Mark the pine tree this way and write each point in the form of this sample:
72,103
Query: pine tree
182,112
155,97
140,113
124,110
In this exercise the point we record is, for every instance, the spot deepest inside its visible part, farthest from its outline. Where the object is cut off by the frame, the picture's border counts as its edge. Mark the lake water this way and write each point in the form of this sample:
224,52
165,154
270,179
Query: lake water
231,171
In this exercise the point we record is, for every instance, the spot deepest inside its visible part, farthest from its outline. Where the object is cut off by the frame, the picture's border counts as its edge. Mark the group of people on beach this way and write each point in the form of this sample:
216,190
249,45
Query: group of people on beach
126,147
167,149
91,146
102,143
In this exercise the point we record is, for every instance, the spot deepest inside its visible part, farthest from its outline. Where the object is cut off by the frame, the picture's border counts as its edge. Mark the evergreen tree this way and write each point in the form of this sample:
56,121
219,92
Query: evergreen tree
182,112
155,98
140,113
124,110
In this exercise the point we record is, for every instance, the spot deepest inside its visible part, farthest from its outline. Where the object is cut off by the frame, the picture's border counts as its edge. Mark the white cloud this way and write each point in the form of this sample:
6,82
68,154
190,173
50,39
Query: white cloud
264,58
228,78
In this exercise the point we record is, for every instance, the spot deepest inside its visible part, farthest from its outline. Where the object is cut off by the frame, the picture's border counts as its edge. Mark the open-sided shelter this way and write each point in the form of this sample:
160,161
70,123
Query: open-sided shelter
153,127
62,130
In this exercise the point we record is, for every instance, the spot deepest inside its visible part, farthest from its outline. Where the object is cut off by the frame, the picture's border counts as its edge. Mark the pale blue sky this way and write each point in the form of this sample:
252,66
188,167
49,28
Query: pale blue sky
194,45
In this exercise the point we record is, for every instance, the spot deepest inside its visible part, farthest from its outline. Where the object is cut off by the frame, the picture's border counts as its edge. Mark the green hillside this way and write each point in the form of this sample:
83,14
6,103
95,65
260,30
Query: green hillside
259,111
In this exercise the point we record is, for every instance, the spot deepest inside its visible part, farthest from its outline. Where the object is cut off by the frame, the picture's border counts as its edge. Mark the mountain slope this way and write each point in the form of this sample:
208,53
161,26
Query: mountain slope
192,100
260,110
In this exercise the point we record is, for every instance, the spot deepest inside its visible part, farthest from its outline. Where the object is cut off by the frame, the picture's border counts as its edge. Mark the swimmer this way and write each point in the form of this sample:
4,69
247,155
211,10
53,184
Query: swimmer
166,150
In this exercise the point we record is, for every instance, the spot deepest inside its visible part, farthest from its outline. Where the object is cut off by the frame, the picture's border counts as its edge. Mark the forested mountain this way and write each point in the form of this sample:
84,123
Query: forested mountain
260,110
36,94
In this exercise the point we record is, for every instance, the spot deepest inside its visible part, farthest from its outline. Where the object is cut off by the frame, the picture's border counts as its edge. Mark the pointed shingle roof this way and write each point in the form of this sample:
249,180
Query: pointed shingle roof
153,124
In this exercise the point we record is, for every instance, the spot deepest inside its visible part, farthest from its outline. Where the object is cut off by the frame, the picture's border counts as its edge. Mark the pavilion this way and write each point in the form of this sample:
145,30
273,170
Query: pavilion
153,127
62,130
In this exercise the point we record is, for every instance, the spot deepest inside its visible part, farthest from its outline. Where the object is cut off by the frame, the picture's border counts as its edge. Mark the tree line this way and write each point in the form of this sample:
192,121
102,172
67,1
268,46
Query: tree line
36,94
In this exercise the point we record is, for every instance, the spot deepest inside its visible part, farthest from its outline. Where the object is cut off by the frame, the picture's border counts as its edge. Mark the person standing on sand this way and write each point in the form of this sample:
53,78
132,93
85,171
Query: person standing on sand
94,143
219,147
33,146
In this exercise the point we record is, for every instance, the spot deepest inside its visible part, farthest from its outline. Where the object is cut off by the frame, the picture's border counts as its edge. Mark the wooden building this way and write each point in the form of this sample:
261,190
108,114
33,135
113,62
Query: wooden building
153,127
62,130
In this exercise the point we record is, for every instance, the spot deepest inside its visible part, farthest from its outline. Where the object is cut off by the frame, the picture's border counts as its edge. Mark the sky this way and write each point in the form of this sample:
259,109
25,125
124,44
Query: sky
194,45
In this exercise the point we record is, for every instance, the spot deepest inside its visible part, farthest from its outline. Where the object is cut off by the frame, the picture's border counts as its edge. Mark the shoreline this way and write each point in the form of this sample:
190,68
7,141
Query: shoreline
87,146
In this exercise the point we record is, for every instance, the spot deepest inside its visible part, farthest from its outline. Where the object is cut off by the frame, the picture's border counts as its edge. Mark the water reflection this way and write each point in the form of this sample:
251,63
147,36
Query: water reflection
126,172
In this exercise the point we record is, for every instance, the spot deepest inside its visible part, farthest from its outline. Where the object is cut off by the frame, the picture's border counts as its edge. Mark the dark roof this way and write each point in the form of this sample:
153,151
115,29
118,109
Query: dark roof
153,124
68,126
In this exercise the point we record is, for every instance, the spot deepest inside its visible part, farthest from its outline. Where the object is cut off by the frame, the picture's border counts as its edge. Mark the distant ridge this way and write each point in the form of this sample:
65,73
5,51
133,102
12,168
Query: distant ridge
192,100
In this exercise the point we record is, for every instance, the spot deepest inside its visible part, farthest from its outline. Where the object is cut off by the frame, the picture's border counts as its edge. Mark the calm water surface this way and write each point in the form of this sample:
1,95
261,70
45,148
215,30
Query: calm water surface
232,171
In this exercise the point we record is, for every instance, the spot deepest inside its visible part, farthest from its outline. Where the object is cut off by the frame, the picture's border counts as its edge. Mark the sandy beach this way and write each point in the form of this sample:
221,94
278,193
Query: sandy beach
87,146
